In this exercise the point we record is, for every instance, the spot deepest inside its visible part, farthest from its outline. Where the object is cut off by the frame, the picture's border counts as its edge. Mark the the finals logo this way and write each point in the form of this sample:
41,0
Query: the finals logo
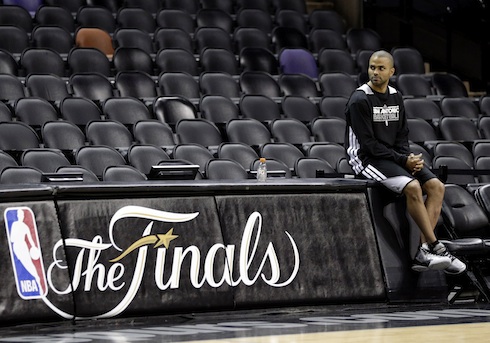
25,253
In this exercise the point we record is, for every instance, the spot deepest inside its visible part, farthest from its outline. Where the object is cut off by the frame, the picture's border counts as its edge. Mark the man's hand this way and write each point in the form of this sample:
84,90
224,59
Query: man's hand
414,163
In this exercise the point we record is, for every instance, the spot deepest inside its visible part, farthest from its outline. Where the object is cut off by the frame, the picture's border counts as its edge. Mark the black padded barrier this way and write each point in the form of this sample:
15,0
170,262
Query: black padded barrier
174,247
398,238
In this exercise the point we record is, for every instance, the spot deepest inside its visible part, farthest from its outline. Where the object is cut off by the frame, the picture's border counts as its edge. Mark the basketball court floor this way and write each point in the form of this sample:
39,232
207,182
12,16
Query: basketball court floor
313,324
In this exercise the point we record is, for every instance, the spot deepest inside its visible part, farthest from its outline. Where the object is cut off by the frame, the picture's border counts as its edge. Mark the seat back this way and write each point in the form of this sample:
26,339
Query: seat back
52,37
259,82
153,132
219,83
97,158
284,152
259,107
88,60
180,84
144,156
462,214
97,17
218,109
408,60
288,37
242,153
109,133
93,86
171,109
123,174
177,60
248,130
449,85
133,38
136,84
173,38
126,110
298,84
93,37
132,59
16,135
47,86
42,61
328,130
298,61
309,167
199,131
336,60
225,169
46,160
299,108
79,111
259,59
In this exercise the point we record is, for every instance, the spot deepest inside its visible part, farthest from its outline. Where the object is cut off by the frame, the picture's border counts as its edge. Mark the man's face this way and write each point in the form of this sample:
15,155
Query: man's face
380,70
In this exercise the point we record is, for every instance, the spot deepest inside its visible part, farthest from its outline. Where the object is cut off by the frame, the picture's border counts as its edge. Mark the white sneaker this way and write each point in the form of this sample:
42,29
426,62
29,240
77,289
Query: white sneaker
433,260
456,267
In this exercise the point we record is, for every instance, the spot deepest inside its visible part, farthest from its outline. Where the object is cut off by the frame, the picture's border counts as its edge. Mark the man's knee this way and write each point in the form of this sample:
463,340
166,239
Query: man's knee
434,187
413,190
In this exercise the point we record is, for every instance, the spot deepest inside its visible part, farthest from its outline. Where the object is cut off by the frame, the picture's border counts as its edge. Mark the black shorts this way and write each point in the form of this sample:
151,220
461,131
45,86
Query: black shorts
393,176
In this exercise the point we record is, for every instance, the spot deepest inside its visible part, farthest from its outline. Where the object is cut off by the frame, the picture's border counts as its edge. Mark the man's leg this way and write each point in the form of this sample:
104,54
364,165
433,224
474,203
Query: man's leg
434,189
418,211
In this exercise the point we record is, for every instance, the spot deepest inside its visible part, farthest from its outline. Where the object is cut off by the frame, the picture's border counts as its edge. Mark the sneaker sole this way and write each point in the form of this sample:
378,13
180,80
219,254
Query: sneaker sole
417,268
455,273
439,266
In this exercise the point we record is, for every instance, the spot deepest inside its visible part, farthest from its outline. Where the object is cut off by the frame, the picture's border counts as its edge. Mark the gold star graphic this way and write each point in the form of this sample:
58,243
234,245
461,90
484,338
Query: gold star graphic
165,239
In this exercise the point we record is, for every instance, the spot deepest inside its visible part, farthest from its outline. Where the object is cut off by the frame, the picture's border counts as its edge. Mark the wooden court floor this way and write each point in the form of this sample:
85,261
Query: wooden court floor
340,323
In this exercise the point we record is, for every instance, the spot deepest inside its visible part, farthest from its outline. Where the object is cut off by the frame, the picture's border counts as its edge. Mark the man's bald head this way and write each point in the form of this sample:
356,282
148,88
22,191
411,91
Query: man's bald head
383,54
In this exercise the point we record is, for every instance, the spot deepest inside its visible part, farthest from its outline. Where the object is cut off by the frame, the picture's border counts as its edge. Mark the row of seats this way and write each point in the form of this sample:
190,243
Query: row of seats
231,160
96,16
153,6
138,84
300,160
288,61
15,40
428,119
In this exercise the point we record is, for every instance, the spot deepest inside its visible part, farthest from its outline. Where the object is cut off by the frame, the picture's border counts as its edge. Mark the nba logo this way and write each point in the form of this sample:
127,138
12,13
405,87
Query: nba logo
25,252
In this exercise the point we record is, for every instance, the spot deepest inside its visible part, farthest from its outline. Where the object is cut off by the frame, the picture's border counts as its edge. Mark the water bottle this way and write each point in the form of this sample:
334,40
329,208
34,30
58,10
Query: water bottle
262,170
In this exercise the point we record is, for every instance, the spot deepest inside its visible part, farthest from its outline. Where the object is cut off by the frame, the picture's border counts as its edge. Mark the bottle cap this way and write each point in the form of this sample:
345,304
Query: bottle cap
262,159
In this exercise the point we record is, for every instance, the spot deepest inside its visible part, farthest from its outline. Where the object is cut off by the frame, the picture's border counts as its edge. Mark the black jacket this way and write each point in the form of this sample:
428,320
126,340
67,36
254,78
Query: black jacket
376,127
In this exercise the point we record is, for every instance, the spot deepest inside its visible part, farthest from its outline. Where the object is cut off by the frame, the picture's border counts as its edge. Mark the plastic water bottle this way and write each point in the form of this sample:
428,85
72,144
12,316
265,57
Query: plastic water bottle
262,170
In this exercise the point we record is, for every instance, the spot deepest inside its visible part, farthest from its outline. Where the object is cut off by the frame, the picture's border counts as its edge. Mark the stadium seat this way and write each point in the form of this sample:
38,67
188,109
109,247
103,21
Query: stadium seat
55,16
242,153
328,130
52,37
215,17
154,132
335,60
42,61
291,18
176,19
259,82
98,157
298,84
47,86
225,169
136,84
327,19
16,15
258,59
319,39
200,131
93,86
177,60
337,84
218,109
13,39
300,108
288,38
136,18
88,60
244,37
171,109
449,85
249,131
46,160
109,133
363,39
310,167
132,59
144,156
194,153
173,38
253,17
219,60
79,111
180,84
93,37
459,107
415,85
124,174
219,83
290,130
133,38
96,17
63,135
259,107
126,110
333,106
408,60
297,61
